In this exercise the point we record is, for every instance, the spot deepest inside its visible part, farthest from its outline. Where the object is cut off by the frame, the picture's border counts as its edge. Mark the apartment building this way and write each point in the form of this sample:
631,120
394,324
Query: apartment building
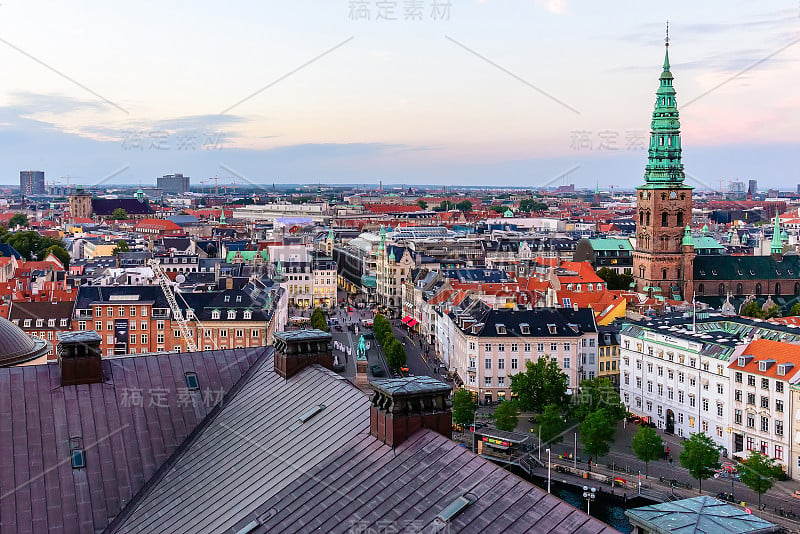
487,346
608,354
43,320
762,401
393,267
679,374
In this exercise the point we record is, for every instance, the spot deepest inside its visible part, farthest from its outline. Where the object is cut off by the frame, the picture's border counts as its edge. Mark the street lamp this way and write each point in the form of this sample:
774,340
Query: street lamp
589,494
548,470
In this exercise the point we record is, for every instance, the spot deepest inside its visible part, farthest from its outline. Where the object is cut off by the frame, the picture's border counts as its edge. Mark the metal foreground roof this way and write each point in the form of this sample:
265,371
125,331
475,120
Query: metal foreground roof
703,515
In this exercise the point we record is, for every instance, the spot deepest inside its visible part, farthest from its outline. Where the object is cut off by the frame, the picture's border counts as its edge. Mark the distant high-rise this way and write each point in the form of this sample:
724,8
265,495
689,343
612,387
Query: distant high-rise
173,183
31,182
752,188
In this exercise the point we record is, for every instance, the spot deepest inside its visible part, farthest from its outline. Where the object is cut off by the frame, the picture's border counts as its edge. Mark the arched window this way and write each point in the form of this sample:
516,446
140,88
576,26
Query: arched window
665,219
678,275
739,289
663,274
647,217
701,288
679,223
641,218
777,288
758,288
721,289
641,271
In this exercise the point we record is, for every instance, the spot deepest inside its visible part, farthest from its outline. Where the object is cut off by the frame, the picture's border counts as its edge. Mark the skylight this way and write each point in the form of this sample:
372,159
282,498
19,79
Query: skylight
307,416
192,381
455,508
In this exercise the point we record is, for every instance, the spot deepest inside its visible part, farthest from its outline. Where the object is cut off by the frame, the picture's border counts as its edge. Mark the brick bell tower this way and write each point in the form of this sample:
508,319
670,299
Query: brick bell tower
663,203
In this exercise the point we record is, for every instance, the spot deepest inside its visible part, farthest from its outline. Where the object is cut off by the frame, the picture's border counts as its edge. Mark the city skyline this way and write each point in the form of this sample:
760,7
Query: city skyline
456,94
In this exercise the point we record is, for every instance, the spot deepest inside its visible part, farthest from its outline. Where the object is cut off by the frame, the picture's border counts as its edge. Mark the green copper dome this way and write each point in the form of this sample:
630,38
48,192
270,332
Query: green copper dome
664,165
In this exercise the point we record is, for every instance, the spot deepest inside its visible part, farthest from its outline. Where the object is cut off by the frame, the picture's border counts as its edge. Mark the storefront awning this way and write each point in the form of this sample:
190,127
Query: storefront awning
405,319
412,322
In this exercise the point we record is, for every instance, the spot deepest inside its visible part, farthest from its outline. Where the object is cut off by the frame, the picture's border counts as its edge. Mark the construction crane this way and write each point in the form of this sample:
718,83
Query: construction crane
216,180
177,313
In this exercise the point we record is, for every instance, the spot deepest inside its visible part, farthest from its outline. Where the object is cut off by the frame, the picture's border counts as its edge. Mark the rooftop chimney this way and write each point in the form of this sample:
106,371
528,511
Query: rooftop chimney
296,350
401,406
79,357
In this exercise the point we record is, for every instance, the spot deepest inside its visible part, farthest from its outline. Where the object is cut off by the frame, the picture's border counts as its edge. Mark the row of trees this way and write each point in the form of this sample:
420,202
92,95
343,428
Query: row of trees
392,347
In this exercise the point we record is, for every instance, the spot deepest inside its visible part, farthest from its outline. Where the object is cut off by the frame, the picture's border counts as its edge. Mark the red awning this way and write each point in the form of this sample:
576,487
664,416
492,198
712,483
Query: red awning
412,322
405,319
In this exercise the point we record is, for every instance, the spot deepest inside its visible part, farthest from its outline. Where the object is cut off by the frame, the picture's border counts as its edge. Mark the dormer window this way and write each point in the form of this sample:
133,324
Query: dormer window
238,298
51,323
763,365
27,323
567,302
39,323
231,314
227,298
552,329
248,314
215,314
525,328
501,328
63,322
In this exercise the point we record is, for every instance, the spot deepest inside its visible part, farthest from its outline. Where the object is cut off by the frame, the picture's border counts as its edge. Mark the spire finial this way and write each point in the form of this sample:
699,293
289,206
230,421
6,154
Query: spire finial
666,39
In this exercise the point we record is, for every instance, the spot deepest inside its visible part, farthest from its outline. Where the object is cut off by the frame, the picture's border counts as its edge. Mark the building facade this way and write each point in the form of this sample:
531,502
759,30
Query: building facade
31,183
173,183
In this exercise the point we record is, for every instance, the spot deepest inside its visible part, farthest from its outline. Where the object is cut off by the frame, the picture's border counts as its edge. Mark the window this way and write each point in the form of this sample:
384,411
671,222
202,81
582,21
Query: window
109,325
98,325
143,325
719,410
778,428
110,311
514,347
132,311
670,374
514,363
26,323
487,347
144,339
751,380
680,378
764,424
680,397
778,452
63,323
649,406
501,363
737,417
487,363
765,402
669,393
649,386
98,312
660,371
501,347
132,339
692,401
249,315
779,386
159,325
566,346
215,314
779,406
705,405
540,347
553,347
239,333
705,426
223,332
254,333
527,347
737,395
765,383
638,383
751,398
487,381
501,381
132,325
750,444
121,311
159,338
231,314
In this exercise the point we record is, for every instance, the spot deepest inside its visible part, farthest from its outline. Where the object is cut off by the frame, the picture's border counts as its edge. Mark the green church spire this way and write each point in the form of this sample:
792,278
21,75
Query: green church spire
664,165
777,245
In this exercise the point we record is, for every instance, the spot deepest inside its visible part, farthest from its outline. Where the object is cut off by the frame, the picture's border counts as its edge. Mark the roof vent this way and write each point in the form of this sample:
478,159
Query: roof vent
307,416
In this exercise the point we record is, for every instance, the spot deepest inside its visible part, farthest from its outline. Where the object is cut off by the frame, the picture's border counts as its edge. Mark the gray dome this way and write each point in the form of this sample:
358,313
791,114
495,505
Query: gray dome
17,347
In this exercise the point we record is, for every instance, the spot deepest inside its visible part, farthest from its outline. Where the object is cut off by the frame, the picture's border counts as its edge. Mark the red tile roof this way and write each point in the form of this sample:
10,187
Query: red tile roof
765,349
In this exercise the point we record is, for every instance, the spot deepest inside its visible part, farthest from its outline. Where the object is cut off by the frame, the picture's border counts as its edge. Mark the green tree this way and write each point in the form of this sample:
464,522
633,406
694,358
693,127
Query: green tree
599,393
647,446
319,320
464,205
447,205
752,309
422,204
596,434
541,383
551,423
395,353
497,209
700,456
529,204
119,214
505,416
381,328
464,407
772,311
615,280
795,311
759,472
59,252
18,219
122,246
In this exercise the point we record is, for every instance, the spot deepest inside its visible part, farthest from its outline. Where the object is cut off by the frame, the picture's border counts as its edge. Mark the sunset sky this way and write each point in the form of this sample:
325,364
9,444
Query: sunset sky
505,92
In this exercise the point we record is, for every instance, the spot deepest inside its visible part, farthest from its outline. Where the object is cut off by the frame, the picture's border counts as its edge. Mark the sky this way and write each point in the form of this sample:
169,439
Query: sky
527,93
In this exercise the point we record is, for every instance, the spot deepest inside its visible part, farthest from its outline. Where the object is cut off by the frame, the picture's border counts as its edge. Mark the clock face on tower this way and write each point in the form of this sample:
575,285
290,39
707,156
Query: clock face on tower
673,195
